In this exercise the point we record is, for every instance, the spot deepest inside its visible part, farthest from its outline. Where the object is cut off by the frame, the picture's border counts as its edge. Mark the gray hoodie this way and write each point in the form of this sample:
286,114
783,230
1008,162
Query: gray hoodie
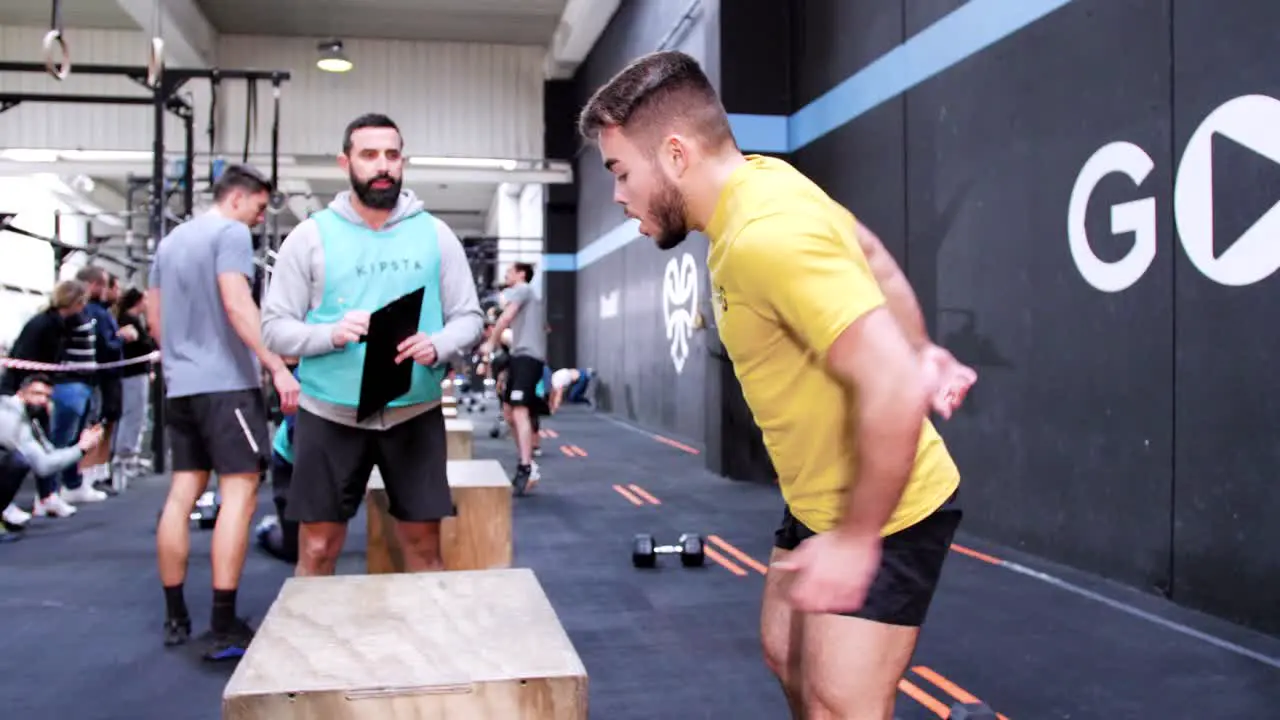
296,287
16,434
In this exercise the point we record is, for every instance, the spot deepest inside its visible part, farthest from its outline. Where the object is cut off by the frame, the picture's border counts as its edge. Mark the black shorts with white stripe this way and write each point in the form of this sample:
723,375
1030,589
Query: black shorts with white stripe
222,432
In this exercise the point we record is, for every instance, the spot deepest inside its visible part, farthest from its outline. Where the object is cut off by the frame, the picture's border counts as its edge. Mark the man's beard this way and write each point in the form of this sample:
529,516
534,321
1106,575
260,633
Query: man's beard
668,209
377,198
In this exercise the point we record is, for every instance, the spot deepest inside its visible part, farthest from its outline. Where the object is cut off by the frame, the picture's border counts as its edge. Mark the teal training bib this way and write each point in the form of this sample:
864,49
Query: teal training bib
364,269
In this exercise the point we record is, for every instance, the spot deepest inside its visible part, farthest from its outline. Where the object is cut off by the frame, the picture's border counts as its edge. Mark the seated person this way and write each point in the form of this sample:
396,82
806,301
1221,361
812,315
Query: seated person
24,449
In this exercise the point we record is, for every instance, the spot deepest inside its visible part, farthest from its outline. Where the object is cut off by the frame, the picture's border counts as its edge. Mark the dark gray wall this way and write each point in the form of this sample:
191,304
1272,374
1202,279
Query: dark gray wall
638,379
1128,433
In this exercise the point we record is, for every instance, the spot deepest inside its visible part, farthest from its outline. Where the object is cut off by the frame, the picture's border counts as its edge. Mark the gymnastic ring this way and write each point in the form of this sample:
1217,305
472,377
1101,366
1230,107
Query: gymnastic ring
155,61
53,39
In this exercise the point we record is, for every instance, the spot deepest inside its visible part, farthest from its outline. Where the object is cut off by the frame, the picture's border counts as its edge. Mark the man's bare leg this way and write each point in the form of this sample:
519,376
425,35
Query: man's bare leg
173,547
421,543
781,637
852,666
231,532
523,430
173,533
319,545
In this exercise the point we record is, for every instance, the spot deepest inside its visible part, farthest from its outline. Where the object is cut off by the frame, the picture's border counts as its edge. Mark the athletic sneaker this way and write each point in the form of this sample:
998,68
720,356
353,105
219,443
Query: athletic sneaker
177,631
229,645
520,481
83,494
53,506
15,518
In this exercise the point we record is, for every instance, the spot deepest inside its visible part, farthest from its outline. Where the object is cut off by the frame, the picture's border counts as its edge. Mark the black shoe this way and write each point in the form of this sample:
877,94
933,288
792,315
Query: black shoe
230,645
107,487
521,480
176,631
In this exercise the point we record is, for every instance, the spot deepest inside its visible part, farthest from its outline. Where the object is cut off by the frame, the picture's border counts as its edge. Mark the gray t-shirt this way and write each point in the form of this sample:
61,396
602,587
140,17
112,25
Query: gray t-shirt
200,351
528,332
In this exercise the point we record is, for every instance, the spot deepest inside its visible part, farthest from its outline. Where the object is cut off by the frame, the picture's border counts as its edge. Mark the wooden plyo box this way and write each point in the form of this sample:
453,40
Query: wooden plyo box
449,405
478,537
437,646
458,436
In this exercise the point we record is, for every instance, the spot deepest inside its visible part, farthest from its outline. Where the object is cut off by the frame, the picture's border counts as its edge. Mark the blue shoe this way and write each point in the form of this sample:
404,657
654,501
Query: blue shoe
230,645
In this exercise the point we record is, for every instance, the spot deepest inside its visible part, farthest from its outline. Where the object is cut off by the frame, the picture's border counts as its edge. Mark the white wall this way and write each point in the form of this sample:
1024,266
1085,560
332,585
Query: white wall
450,99
87,127
27,262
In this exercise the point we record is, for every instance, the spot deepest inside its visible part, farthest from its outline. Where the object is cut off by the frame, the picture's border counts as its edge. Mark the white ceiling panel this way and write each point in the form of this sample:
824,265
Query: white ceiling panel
517,22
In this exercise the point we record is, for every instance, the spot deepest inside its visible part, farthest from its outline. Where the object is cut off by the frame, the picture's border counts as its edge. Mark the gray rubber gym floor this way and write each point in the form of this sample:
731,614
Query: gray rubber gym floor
81,607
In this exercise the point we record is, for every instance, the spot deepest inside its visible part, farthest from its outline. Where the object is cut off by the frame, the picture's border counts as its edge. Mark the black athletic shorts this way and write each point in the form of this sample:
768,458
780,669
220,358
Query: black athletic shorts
332,464
910,564
523,375
222,432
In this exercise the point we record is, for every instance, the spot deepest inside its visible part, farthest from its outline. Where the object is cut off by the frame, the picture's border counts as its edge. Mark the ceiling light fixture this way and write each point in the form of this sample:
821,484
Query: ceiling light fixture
332,59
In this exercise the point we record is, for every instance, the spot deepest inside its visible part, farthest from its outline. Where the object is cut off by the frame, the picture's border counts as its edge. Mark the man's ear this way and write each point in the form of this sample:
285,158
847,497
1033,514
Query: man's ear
675,152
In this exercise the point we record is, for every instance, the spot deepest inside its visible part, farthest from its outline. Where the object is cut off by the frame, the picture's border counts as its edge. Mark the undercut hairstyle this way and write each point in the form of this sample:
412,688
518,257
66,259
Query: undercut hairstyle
35,379
240,177
656,93
525,269
368,120
90,275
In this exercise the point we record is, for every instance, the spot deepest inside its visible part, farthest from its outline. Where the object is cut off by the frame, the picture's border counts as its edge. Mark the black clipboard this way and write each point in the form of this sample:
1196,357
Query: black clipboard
383,380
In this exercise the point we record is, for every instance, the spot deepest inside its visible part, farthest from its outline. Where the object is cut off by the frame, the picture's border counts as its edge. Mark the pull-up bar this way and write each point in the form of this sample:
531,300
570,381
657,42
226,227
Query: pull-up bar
163,83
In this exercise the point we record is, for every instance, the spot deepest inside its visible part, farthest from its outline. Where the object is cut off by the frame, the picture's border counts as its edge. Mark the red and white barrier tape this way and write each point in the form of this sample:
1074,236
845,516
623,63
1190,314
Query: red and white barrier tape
16,364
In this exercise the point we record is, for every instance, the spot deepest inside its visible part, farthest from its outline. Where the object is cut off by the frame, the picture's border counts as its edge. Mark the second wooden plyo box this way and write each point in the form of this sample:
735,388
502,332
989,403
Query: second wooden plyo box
478,537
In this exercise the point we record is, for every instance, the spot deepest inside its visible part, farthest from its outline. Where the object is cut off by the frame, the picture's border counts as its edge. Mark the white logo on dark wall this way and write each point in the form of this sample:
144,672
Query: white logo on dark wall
1250,121
679,304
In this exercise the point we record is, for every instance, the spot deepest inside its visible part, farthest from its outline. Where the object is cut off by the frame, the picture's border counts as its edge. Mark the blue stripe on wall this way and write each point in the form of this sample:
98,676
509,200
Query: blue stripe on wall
559,262
964,32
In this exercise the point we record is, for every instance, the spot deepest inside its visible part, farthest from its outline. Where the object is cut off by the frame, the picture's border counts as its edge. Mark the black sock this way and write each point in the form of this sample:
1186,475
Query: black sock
224,610
174,602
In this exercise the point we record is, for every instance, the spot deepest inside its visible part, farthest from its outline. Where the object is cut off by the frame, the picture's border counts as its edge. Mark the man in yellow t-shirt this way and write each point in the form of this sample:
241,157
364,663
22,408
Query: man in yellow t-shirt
830,347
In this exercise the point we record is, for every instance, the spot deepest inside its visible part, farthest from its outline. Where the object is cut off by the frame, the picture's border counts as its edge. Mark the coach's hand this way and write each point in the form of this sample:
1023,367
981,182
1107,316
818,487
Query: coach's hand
350,328
287,389
420,348
831,572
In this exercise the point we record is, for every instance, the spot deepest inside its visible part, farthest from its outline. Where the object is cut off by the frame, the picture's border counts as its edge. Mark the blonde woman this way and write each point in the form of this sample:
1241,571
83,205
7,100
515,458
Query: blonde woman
44,339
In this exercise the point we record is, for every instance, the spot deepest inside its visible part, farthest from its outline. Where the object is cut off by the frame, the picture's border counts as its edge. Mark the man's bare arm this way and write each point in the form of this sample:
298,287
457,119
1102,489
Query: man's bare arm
237,301
153,314
507,317
902,301
874,358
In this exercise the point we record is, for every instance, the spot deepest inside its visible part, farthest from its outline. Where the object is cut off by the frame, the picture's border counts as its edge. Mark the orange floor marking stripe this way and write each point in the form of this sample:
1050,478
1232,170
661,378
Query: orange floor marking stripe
924,699
565,449
627,494
744,558
726,563
551,433
676,445
578,451
948,687
976,555
644,494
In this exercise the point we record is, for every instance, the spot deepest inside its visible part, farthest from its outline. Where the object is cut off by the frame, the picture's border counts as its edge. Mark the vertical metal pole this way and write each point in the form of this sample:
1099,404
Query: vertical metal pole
189,173
158,205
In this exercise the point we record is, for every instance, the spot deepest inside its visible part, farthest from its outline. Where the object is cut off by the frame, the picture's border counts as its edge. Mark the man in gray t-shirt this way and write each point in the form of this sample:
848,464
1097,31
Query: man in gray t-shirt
201,310
522,312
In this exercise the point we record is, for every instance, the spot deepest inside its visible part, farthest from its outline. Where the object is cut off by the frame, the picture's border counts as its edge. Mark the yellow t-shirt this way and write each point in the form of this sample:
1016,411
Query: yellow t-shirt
788,276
